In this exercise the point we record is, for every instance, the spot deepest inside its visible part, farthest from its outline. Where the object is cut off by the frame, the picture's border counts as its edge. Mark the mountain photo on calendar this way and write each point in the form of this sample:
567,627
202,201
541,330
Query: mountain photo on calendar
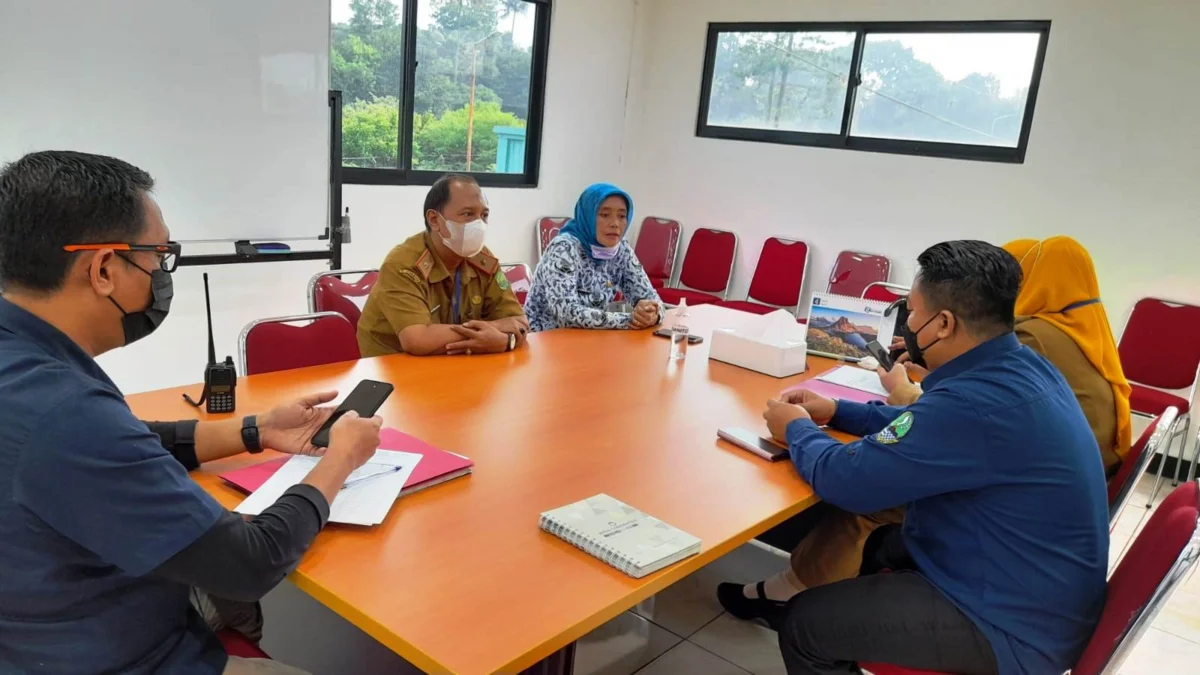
840,332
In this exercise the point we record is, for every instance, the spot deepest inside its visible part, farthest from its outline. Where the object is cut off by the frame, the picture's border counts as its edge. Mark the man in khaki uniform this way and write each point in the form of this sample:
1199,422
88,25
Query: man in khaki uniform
441,291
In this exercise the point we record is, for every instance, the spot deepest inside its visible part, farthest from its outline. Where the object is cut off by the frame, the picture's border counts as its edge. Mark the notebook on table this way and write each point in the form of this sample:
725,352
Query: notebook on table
620,535
436,466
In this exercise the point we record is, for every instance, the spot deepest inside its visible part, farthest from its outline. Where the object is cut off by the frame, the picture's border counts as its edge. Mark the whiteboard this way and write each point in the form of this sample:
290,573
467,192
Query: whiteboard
224,102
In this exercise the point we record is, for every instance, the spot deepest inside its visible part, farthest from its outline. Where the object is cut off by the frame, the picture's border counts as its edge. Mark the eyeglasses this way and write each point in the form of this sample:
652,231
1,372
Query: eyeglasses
168,253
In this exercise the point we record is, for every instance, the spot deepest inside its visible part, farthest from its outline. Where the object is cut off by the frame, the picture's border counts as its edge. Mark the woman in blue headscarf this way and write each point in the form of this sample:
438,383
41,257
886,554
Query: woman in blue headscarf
585,267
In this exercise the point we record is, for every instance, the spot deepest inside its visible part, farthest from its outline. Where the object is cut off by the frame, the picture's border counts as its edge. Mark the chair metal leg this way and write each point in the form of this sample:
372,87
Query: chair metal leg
1195,457
1162,463
1182,448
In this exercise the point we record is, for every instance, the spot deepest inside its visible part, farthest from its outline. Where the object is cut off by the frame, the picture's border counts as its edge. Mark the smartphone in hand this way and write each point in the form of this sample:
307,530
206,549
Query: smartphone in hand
366,399
881,354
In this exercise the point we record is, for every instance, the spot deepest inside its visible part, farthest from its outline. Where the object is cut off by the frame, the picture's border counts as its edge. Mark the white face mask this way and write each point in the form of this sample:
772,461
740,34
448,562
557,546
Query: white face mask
466,240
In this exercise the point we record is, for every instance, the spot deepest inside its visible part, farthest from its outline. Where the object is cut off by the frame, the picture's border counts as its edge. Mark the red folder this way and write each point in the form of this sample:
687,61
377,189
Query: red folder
436,466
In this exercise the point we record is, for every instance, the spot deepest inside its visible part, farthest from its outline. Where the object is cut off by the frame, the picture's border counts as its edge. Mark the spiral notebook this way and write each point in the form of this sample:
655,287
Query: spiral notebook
620,535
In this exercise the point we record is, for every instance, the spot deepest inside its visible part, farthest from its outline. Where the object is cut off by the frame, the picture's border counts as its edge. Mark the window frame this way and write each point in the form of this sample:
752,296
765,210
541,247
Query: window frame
844,139
406,175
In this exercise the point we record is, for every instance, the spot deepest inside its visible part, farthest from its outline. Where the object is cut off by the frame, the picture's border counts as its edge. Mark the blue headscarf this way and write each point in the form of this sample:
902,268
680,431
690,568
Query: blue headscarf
583,225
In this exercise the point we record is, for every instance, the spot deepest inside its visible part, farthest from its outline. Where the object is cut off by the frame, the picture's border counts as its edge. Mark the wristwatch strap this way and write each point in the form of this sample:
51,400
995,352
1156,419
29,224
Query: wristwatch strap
250,437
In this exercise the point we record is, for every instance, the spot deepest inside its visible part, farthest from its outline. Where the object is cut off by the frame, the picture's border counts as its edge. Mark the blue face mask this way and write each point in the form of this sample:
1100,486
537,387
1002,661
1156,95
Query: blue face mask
601,253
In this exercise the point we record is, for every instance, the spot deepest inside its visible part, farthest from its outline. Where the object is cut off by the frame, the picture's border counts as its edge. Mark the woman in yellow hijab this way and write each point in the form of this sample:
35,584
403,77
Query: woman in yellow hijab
1059,315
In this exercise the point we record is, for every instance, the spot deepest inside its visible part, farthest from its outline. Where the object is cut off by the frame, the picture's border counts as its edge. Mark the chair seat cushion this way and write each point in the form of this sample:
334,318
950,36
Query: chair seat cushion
1152,402
883,669
672,296
658,283
239,645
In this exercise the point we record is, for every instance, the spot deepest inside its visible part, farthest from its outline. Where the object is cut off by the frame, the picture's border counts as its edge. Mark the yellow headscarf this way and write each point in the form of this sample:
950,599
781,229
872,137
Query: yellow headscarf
1059,276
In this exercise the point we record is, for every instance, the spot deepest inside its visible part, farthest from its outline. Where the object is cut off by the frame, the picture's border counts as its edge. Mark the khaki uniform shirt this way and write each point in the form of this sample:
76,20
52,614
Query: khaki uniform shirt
416,289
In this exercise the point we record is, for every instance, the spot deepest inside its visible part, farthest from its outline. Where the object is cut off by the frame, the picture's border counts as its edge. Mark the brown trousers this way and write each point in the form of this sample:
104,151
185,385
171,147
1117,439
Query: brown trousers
833,550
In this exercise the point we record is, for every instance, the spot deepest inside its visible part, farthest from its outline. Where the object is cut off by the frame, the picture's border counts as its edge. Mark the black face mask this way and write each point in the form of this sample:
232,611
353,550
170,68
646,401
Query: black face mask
138,325
916,353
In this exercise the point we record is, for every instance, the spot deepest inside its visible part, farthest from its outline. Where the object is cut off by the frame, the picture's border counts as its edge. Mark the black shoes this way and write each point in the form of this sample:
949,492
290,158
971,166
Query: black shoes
761,610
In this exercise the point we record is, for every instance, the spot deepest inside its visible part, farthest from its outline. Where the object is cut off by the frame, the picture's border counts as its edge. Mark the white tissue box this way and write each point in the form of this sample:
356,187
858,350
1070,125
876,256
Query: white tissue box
745,351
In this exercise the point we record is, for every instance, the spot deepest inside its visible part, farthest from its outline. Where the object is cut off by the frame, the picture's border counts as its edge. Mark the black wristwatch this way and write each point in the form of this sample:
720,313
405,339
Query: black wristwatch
250,437
512,342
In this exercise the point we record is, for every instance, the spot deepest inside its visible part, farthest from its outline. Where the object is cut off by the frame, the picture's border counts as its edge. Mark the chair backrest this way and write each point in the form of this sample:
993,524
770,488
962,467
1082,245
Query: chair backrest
547,229
708,263
1160,558
1160,345
779,275
1120,488
287,342
882,291
853,272
520,278
656,248
328,292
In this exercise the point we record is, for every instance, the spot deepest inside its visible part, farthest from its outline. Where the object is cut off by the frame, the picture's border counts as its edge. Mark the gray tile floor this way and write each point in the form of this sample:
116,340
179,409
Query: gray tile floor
684,630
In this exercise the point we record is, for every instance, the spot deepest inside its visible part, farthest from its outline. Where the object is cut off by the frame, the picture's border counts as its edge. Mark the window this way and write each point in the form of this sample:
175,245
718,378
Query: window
431,86
964,90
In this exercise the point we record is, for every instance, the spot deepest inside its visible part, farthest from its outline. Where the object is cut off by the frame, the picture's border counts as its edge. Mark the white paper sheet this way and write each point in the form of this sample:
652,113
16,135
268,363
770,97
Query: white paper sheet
855,378
366,498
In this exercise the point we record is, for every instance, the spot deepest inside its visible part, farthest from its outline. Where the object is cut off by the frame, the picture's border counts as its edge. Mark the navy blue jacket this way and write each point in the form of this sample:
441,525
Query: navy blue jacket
1007,507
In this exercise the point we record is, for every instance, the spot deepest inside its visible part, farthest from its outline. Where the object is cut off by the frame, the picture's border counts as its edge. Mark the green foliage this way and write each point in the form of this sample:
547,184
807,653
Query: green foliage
369,133
465,37
798,82
443,140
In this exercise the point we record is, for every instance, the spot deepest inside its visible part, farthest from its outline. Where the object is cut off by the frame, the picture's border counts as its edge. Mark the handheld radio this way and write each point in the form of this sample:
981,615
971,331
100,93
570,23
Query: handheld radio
220,379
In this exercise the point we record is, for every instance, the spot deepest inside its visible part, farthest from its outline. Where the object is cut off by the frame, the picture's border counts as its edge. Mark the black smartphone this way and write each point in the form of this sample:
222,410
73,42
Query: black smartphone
880,354
750,442
366,399
666,333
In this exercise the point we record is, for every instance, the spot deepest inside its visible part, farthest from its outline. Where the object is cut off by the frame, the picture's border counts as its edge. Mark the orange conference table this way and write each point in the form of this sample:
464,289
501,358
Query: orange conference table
460,578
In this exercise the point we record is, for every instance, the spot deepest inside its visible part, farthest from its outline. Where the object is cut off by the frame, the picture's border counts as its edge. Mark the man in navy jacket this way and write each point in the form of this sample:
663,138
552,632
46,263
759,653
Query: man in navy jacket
1000,564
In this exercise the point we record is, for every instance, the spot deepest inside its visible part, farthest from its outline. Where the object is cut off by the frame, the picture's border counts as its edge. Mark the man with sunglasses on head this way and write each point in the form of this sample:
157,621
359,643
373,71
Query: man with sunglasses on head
104,539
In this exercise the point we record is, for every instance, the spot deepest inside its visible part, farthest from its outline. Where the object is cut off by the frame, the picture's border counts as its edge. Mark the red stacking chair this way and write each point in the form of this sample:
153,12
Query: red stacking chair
656,248
328,292
778,278
1120,488
270,345
1159,560
853,272
882,291
1160,349
239,645
520,278
707,269
547,229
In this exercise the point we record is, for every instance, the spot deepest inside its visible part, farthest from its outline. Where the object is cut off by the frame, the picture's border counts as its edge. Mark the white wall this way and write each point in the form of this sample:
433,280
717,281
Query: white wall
1113,157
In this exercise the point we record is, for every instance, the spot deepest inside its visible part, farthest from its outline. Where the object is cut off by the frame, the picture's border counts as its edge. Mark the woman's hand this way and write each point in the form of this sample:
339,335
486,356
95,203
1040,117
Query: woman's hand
645,315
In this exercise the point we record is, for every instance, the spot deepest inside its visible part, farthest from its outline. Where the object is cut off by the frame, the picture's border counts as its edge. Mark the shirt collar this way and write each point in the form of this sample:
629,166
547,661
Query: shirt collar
991,349
25,324
440,272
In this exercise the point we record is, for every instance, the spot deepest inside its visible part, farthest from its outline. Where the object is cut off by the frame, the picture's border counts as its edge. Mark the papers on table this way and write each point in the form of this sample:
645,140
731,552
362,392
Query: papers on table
855,378
365,498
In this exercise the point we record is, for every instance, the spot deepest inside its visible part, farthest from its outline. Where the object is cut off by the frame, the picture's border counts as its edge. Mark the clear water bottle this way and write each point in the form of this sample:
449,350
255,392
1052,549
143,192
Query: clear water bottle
679,332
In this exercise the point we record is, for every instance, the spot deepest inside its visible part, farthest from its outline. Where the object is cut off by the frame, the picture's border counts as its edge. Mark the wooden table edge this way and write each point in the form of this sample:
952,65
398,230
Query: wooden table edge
537,653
